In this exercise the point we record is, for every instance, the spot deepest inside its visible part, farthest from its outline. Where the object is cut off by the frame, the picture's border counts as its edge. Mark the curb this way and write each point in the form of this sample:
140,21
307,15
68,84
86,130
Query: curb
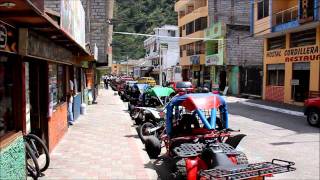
285,111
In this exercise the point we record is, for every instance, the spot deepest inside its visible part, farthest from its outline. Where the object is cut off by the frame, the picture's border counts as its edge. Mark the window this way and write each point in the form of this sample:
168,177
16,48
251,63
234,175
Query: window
183,27
6,94
180,31
181,51
275,74
204,22
200,24
277,43
213,47
190,28
303,38
200,49
263,9
190,49
57,84
172,33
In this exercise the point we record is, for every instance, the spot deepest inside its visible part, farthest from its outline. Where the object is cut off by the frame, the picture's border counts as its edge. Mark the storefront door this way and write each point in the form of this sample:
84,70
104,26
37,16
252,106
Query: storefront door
300,81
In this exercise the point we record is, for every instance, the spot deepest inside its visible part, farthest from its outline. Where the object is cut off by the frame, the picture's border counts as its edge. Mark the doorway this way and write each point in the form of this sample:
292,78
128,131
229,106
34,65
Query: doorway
300,81
38,98
222,80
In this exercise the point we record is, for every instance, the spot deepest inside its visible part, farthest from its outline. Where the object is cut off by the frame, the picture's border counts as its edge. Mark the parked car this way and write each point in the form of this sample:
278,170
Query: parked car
312,111
147,80
182,86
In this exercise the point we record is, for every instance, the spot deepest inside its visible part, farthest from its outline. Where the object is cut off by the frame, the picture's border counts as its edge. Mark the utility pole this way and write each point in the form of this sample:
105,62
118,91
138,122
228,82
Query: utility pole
160,64
127,65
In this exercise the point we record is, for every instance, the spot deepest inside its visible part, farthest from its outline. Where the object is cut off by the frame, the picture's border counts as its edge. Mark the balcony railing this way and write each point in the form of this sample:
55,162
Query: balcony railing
286,16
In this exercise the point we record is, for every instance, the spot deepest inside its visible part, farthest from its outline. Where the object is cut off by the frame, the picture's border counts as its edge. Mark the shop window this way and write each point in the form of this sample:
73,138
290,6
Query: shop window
276,43
303,38
275,74
6,93
57,84
263,9
190,28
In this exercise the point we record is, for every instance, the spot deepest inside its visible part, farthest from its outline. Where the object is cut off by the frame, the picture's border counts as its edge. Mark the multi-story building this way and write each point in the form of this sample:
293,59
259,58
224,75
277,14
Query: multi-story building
192,20
291,33
232,55
98,26
166,42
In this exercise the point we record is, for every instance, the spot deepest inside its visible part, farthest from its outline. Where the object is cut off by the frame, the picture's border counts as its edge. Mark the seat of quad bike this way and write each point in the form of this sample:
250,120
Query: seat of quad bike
185,125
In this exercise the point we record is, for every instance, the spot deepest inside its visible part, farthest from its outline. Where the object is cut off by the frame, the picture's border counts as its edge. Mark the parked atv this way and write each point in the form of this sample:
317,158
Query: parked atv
152,97
199,141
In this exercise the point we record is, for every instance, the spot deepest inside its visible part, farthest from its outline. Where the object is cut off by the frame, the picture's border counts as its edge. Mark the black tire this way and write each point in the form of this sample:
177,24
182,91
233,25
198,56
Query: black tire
314,117
39,148
153,147
32,163
143,134
242,158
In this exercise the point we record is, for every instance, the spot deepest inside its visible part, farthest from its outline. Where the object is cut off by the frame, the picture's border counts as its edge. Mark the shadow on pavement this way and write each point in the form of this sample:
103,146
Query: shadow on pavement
285,121
163,166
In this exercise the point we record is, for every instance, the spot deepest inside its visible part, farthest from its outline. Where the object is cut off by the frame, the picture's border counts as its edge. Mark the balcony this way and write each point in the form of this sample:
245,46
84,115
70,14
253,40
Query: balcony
285,19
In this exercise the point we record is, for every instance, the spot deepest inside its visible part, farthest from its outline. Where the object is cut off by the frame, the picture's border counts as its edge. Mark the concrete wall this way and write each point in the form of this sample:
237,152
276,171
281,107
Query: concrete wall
12,158
97,30
241,49
229,11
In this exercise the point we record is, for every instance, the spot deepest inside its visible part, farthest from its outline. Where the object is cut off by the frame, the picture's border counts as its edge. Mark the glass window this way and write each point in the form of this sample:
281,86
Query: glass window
303,38
277,43
183,85
275,74
190,28
6,93
263,9
57,83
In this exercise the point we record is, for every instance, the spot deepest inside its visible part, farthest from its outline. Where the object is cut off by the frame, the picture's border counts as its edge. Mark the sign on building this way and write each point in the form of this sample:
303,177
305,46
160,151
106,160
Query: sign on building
73,20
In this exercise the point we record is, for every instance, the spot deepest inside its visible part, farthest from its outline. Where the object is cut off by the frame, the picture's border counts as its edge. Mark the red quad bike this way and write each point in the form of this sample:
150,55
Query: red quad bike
200,144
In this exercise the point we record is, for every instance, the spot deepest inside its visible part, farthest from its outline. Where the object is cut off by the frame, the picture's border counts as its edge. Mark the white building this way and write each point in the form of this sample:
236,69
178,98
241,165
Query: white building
168,37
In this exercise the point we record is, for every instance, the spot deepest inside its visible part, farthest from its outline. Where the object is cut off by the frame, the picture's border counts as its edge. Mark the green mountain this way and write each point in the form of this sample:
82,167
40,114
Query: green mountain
138,16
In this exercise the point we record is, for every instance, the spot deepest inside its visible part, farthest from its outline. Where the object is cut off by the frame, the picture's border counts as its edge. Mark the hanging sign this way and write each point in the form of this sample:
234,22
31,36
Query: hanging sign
8,38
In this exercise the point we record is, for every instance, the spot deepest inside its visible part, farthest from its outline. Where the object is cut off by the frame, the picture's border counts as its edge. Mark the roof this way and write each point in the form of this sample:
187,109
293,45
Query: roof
30,14
204,101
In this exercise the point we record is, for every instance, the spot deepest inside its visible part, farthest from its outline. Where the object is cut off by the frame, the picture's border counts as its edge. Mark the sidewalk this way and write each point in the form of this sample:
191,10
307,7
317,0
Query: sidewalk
268,105
101,145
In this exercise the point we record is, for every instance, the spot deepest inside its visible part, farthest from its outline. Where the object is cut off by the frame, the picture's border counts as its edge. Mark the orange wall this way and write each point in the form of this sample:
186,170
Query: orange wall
57,125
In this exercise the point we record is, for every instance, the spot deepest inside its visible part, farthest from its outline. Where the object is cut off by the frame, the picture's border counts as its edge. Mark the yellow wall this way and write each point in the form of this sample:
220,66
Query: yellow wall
261,26
314,68
197,13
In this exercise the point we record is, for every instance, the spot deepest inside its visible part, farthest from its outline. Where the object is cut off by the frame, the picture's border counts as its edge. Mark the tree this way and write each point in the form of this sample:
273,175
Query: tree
138,16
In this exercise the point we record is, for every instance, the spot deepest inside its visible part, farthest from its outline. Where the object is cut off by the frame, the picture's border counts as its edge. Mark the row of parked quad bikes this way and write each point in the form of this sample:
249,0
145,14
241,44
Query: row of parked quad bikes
194,129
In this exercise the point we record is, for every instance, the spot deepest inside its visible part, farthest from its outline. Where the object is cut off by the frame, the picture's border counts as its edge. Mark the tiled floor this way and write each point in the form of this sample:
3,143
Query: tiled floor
103,144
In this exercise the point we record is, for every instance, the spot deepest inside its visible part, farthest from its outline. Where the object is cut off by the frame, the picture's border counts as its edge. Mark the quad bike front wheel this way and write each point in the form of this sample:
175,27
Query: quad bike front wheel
153,147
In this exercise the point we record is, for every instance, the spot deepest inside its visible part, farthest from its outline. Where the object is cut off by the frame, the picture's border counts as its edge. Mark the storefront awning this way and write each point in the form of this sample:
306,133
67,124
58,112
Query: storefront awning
30,14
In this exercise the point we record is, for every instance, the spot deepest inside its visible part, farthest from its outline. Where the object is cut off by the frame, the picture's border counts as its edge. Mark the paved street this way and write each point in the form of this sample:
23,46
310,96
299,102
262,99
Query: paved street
104,144
276,135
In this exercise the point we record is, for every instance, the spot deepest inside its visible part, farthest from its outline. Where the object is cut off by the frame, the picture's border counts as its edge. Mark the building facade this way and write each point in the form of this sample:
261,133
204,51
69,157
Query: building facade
233,57
291,33
192,20
165,42
36,67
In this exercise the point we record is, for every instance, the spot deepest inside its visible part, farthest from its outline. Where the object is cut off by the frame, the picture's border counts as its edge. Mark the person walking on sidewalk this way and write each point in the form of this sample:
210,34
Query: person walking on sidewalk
106,82
70,104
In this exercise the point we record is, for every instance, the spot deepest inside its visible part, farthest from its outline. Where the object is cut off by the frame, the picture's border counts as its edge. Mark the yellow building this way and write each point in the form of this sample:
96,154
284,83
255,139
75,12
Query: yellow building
192,21
291,32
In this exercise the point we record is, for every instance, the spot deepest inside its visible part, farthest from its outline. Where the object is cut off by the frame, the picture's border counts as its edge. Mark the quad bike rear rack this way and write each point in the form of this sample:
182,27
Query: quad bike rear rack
247,171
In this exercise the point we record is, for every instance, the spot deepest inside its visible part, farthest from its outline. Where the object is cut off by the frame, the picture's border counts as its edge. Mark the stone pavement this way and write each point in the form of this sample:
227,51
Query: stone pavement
103,144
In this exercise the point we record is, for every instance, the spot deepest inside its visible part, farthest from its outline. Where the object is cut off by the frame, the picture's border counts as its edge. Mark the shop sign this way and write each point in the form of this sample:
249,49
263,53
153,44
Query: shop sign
311,53
195,59
8,39
295,82
214,31
73,20
213,60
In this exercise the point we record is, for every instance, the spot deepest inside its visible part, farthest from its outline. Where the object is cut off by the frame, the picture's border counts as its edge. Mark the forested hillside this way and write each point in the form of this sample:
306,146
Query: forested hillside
138,16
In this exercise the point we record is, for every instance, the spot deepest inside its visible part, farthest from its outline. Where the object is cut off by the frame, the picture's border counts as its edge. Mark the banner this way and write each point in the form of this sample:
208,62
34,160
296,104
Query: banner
73,20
